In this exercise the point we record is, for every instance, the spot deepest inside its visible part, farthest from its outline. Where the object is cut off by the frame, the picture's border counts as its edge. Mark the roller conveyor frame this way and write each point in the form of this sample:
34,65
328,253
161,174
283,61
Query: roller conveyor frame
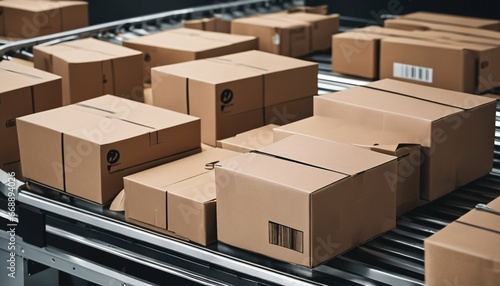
97,245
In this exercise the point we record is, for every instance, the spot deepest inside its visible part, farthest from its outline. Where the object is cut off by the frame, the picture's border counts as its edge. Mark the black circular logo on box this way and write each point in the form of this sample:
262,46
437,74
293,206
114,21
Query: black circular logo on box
113,156
226,96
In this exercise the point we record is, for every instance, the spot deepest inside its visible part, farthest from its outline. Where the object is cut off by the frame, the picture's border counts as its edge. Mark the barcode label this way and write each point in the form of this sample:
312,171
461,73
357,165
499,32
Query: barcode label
286,237
413,72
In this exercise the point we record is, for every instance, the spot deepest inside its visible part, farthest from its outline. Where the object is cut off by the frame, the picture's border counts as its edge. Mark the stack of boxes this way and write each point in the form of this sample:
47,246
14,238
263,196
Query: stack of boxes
296,177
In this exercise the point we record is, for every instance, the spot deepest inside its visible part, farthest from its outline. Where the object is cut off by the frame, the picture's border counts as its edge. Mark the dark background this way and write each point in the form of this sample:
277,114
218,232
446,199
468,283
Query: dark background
109,10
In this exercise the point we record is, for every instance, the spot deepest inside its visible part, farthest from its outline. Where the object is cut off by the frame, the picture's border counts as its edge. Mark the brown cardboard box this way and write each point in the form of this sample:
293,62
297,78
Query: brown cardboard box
250,140
90,68
209,24
246,92
466,251
322,28
181,45
357,53
22,62
454,129
331,188
321,9
407,181
276,34
178,196
87,148
448,65
23,90
28,19
411,25
471,22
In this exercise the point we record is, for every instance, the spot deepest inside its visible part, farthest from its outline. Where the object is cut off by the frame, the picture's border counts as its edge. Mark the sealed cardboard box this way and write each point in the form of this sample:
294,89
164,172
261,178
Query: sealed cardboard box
178,196
321,9
250,140
407,179
322,28
466,251
23,90
181,45
357,53
90,68
331,188
28,19
455,130
276,34
86,149
214,24
449,65
471,22
246,92
412,24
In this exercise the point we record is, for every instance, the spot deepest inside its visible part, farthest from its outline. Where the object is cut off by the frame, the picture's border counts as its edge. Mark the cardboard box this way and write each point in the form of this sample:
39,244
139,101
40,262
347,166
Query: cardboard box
276,34
322,28
466,251
331,188
28,19
90,68
250,140
454,129
213,24
320,9
449,65
407,180
471,22
246,92
86,149
182,45
412,25
178,196
23,90
357,53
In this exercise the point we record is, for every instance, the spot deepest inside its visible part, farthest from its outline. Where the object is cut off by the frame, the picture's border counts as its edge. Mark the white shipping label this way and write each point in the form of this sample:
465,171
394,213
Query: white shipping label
412,72
276,39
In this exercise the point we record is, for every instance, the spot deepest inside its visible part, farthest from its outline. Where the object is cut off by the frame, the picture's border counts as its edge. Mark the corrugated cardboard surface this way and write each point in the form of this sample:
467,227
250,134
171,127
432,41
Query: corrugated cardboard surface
250,140
91,68
276,35
85,149
323,184
209,24
466,251
443,122
27,19
246,92
23,91
407,187
488,24
181,45
178,196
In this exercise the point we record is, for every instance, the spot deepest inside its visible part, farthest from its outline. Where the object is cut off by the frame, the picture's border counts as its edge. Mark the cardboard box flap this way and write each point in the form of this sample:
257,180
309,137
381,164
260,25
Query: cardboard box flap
203,70
118,204
14,76
484,219
148,116
302,178
273,20
371,98
451,19
88,50
40,6
266,62
253,139
329,155
200,188
192,40
310,17
422,42
441,96
458,37
163,176
359,34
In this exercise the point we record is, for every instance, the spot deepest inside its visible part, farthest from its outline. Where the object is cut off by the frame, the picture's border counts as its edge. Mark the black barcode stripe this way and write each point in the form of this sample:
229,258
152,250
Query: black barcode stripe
285,236
412,72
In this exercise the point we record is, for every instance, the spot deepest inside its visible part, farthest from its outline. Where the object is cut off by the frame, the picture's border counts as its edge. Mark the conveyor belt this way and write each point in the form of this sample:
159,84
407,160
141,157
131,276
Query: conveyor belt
96,244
